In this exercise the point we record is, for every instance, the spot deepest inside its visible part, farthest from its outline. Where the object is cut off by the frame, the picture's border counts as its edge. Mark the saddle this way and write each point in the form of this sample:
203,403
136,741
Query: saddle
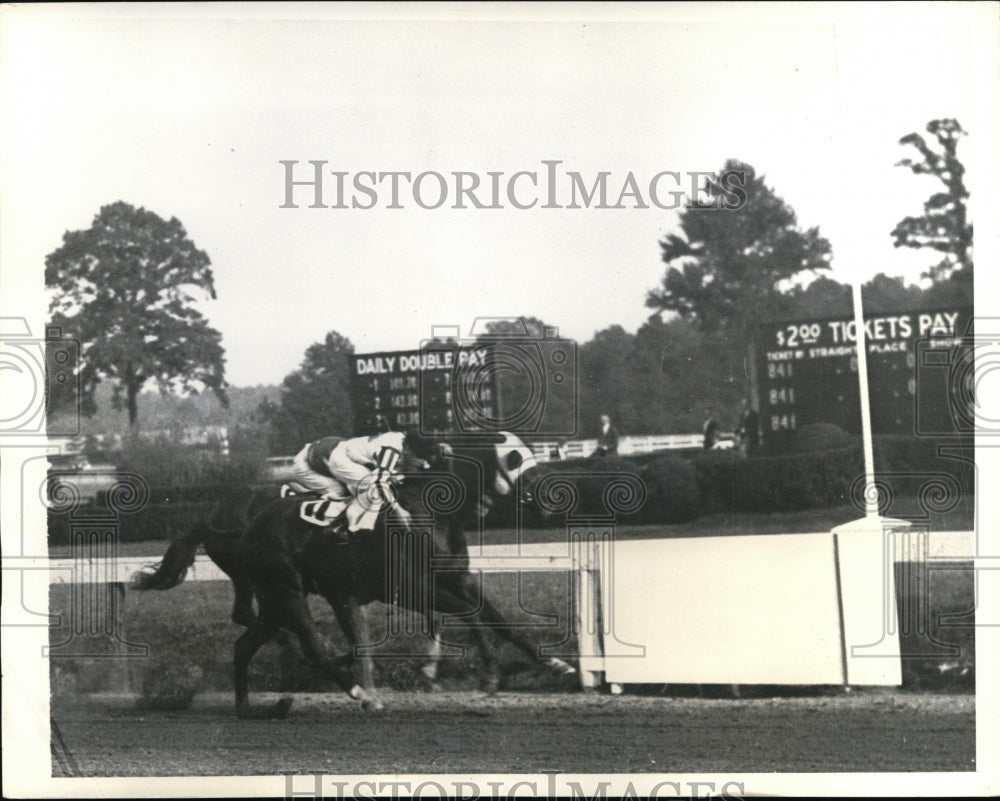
322,512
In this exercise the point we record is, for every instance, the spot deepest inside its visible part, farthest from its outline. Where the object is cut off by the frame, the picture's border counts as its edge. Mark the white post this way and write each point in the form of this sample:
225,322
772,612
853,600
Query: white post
864,557
871,494
586,607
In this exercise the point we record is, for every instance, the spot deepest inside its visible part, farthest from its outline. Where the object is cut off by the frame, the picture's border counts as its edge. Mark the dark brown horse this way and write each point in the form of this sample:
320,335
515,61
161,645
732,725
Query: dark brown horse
220,536
425,567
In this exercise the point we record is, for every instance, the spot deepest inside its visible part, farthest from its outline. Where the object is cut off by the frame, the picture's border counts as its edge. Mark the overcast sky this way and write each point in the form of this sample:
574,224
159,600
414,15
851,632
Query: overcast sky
188,111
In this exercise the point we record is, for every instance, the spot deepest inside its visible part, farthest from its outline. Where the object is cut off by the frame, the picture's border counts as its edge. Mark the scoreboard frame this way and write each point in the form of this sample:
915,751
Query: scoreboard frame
920,374
426,390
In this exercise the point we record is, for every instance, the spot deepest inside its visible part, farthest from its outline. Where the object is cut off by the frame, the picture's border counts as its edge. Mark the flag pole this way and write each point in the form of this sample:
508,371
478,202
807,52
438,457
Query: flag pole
871,493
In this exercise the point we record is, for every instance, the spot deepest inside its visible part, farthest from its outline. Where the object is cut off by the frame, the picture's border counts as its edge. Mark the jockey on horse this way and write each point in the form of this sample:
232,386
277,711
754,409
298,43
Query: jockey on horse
356,475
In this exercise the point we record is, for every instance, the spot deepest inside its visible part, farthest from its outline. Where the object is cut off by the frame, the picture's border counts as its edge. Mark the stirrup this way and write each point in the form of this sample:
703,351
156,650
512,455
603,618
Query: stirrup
342,535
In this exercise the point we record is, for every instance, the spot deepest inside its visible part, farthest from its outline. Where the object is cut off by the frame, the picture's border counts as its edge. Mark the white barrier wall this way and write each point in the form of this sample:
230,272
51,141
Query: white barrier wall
751,609
774,609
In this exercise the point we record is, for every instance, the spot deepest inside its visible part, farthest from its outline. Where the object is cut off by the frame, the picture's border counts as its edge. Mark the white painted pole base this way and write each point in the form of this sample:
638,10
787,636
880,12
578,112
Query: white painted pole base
866,577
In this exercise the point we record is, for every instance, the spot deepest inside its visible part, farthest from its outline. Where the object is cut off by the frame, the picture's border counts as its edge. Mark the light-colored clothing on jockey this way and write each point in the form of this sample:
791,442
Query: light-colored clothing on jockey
342,469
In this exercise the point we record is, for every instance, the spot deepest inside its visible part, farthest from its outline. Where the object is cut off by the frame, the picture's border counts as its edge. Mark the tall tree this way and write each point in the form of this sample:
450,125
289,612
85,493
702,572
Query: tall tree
725,266
825,297
607,383
943,226
123,288
315,399
679,375
537,377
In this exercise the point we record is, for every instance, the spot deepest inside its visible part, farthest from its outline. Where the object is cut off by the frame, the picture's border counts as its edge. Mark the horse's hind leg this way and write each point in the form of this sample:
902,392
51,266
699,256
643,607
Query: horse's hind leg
243,613
221,552
298,619
248,643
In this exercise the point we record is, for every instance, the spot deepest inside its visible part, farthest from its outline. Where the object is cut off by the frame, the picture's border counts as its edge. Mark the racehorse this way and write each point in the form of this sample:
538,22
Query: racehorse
284,558
220,536
423,566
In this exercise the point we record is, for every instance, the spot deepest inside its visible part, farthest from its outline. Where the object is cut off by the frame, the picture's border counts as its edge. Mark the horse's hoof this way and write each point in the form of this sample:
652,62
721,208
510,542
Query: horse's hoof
373,705
561,668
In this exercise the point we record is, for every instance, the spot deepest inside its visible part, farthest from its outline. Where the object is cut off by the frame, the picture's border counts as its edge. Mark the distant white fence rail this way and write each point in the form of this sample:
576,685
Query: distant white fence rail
549,450
279,468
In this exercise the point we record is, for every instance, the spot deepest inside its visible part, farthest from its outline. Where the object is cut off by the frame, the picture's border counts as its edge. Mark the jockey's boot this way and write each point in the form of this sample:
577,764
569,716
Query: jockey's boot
338,528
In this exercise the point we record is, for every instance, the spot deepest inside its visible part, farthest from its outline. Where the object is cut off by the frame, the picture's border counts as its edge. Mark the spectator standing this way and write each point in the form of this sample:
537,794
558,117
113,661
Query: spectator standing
607,440
749,429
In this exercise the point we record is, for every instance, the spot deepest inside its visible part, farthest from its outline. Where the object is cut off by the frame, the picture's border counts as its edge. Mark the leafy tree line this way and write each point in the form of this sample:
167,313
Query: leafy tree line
160,412
126,287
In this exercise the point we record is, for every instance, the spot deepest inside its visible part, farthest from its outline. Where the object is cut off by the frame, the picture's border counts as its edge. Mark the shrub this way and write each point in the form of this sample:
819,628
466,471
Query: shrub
164,463
794,481
754,488
595,483
840,469
826,469
715,472
673,491
912,454
822,437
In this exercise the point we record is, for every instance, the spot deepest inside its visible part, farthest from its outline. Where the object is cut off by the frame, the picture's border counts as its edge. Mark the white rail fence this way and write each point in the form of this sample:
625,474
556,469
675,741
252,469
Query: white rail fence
549,450
590,557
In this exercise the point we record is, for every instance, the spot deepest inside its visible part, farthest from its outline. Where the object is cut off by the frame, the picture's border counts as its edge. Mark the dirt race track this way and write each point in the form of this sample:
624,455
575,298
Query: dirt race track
463,733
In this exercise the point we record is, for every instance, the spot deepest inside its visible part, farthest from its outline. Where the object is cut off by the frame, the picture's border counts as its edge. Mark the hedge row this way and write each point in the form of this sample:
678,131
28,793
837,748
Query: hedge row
168,513
663,488
826,470
813,479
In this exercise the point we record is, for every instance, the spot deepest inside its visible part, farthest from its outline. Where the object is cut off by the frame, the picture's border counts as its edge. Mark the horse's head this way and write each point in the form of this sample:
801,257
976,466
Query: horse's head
490,466
515,467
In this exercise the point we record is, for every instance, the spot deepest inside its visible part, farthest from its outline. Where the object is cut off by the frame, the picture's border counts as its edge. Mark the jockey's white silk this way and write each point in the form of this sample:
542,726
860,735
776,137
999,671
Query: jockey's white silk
366,450
361,516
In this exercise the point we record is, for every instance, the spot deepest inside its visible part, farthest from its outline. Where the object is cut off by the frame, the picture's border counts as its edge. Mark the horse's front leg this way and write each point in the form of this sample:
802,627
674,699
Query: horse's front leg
492,617
457,598
354,623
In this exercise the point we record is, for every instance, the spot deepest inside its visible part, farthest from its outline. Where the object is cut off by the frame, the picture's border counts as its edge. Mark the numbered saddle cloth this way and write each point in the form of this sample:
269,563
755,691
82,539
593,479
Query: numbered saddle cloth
322,512
360,515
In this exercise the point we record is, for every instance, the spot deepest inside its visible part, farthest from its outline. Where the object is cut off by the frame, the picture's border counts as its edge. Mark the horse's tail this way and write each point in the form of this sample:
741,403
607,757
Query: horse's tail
175,562
228,518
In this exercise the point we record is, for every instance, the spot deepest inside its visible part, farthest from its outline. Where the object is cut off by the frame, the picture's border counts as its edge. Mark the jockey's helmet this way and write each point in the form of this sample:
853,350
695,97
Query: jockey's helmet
422,447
